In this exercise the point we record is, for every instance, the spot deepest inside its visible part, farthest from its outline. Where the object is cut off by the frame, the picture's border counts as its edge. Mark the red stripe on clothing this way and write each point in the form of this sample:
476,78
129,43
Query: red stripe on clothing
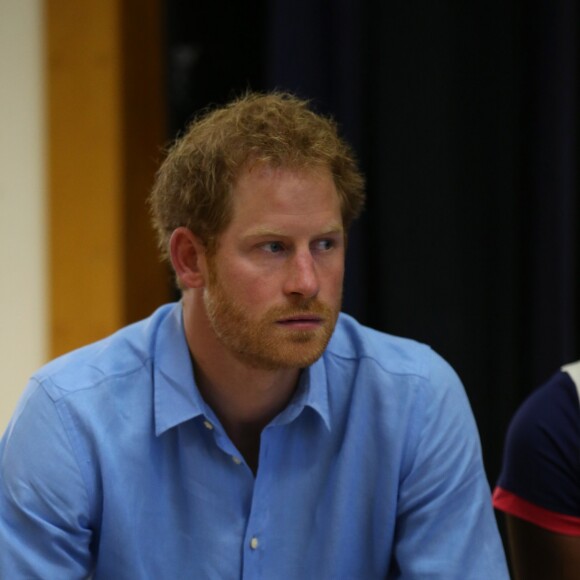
512,504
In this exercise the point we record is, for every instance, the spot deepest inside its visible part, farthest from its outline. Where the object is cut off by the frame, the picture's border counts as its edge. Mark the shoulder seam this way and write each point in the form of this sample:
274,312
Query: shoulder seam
420,375
44,380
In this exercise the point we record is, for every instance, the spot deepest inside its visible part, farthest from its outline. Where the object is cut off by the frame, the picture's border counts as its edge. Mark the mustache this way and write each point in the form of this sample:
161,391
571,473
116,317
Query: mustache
311,306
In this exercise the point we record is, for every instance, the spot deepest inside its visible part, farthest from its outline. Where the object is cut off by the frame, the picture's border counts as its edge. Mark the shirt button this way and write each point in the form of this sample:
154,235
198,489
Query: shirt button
236,460
208,425
254,543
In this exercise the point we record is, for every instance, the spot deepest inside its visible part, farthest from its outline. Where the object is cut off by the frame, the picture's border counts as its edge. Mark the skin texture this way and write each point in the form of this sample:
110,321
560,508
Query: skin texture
539,554
265,305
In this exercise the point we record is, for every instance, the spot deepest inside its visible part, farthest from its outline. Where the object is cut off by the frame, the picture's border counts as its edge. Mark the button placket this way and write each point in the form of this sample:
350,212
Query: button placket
223,442
258,520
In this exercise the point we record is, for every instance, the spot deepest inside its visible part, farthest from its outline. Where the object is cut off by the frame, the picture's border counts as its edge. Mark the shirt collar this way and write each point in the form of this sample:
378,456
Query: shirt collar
312,392
177,398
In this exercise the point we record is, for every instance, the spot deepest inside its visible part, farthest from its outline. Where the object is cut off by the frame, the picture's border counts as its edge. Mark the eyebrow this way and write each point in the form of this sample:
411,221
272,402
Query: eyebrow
260,232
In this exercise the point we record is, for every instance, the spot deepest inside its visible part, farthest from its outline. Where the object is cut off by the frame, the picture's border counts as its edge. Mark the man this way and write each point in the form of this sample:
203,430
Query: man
539,487
249,430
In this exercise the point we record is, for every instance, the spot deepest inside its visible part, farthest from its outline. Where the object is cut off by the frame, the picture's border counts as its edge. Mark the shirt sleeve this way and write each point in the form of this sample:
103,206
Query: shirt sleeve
44,526
540,478
445,525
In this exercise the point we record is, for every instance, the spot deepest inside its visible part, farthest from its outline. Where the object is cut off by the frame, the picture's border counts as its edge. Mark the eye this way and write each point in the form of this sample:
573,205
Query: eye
273,247
324,245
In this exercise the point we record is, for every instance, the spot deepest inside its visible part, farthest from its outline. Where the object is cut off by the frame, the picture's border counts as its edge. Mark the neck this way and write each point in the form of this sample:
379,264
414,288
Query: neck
244,398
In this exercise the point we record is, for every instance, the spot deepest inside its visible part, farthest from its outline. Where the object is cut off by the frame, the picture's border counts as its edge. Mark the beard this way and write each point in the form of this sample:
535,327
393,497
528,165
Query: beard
263,342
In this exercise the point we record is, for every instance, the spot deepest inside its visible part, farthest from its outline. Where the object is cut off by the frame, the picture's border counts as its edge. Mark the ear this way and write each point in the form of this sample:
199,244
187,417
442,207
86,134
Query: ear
188,258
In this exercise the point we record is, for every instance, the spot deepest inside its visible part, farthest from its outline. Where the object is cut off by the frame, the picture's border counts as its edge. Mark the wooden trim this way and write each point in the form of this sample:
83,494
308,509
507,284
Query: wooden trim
148,282
98,180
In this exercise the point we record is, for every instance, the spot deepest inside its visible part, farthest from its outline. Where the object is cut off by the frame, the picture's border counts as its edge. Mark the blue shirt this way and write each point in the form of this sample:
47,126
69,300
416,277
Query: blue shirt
114,464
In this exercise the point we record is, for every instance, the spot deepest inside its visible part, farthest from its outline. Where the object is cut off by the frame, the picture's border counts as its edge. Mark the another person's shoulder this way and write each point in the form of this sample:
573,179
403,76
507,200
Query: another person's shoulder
539,479
548,416
551,408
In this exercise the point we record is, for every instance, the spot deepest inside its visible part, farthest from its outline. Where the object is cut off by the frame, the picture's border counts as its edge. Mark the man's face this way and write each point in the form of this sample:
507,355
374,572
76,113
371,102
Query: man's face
275,281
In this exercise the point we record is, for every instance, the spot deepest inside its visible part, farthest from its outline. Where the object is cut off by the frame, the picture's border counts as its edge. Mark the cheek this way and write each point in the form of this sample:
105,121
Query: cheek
252,289
335,277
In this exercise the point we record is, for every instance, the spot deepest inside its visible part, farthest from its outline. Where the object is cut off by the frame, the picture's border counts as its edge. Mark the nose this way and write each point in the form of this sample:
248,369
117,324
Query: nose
302,277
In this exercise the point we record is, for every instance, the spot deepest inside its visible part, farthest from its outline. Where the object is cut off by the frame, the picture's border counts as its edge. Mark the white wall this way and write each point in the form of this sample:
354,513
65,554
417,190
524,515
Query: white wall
23,251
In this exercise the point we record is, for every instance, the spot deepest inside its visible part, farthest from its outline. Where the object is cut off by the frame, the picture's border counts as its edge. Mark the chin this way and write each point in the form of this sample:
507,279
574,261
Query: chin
296,355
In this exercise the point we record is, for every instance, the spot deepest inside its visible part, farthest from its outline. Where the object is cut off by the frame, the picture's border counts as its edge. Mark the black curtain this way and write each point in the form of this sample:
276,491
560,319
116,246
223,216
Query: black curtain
465,119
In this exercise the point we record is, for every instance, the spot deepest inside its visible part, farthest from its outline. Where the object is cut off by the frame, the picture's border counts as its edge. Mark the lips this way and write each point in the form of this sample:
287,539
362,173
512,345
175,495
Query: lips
301,321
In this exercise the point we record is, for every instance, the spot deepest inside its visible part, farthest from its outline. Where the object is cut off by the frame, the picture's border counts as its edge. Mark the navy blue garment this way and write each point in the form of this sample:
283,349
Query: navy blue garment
540,479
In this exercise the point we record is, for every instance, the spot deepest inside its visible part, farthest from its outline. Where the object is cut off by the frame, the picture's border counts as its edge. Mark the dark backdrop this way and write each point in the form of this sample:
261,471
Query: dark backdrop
465,119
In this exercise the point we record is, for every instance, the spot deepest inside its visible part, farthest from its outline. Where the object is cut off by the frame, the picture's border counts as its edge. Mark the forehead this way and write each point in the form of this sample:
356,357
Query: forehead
263,188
